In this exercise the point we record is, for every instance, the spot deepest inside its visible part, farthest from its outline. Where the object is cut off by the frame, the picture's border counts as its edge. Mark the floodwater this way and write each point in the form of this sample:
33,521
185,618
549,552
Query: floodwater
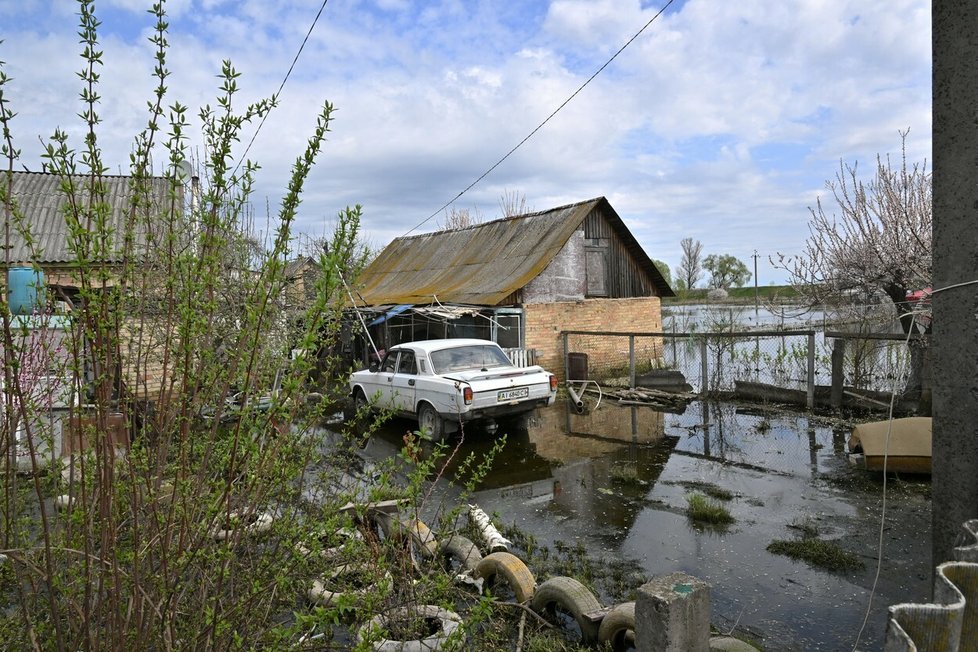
562,480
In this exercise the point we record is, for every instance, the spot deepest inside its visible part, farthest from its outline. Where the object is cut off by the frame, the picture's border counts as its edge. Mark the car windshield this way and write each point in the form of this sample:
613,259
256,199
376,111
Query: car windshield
463,358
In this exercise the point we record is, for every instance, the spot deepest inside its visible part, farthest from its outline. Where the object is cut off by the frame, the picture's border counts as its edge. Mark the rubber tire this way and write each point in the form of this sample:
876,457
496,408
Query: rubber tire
430,421
319,594
512,569
262,523
450,621
571,596
360,402
458,547
615,626
421,535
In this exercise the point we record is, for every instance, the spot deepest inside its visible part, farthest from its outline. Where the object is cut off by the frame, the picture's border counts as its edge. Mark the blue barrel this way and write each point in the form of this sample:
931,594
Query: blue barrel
25,287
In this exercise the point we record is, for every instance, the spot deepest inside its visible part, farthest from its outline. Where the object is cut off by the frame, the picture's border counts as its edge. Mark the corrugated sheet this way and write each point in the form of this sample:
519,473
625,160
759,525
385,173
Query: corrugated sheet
39,198
950,623
483,264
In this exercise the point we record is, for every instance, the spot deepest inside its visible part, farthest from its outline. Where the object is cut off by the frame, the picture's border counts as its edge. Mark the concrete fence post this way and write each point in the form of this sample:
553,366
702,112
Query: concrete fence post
631,362
704,369
672,614
811,370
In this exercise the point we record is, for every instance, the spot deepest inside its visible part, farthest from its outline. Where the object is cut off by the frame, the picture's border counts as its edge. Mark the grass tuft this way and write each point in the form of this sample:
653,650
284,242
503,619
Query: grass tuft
701,509
818,553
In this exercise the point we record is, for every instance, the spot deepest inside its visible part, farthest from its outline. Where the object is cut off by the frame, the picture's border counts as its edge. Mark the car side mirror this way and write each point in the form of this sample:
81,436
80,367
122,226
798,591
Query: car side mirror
374,366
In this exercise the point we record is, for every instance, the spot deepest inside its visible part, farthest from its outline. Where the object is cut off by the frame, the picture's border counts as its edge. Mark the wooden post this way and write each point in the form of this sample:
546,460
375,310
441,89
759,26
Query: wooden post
838,371
566,358
704,369
811,370
631,362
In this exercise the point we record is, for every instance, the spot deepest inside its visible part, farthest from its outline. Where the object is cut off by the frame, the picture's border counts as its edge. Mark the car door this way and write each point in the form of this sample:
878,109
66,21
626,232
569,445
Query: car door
404,381
380,387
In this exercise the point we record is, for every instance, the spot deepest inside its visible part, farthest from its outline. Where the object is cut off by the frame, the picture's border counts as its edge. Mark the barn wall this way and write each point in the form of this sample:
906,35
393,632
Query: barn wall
545,321
566,277
563,279
624,278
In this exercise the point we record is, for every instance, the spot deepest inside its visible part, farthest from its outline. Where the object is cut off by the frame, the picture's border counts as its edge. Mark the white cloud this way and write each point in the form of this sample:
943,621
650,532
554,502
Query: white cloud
720,121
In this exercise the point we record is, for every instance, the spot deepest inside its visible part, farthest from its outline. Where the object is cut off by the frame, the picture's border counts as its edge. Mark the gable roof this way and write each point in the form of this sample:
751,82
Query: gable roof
485,263
39,198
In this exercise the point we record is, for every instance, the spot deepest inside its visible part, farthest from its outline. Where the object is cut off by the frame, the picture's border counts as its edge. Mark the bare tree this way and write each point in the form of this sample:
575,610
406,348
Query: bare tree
690,269
879,241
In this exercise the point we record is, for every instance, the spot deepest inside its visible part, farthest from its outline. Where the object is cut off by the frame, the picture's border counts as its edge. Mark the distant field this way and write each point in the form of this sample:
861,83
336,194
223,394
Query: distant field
766,293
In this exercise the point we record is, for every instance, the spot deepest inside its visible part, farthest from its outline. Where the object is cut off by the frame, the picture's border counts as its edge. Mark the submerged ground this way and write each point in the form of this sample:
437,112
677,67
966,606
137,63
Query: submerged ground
616,480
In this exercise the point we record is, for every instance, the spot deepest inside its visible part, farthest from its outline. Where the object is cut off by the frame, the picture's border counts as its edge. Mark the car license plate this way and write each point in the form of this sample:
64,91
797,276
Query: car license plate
512,394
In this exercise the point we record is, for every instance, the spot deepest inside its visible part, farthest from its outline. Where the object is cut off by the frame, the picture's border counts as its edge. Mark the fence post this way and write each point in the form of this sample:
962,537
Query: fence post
631,362
566,358
838,371
704,368
811,370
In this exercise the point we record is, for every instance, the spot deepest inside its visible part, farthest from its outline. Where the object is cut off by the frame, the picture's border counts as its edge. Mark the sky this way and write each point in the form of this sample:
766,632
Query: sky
722,121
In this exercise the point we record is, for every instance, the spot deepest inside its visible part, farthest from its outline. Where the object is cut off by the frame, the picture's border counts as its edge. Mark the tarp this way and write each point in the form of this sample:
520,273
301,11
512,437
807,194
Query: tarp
396,310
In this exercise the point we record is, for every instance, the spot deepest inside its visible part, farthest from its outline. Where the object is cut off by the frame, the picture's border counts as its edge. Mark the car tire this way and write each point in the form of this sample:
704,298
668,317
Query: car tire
321,592
431,422
360,402
572,597
510,568
618,627
448,622
461,548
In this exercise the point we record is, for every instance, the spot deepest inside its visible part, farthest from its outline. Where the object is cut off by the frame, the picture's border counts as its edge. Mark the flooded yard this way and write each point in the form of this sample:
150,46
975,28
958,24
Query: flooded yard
617,480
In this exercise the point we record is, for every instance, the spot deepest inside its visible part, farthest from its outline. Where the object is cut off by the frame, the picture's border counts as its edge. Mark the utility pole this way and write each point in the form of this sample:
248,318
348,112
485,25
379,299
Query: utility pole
755,283
955,266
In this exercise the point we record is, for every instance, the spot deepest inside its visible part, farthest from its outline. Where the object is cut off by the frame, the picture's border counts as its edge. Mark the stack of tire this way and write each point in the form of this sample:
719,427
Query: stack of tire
498,570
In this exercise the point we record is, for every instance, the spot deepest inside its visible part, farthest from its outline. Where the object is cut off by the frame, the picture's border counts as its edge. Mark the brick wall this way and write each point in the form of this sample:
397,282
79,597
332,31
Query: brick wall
545,321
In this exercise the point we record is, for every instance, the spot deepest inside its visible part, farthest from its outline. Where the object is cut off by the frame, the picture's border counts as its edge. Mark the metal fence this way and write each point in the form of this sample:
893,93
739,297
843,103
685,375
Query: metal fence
714,362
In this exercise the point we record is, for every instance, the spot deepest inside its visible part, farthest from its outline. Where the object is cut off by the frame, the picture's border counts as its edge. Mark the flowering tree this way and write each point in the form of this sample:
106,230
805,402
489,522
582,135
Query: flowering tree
879,241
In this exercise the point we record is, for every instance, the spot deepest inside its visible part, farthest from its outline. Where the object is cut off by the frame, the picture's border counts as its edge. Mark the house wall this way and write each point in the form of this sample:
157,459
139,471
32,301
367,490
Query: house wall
594,248
563,279
545,321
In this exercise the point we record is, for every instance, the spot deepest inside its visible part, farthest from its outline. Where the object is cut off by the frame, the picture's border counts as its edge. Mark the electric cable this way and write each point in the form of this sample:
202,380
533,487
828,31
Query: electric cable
281,86
541,125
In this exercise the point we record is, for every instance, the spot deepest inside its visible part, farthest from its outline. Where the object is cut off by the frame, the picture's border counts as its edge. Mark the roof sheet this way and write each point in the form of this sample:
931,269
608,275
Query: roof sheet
40,199
482,264
479,265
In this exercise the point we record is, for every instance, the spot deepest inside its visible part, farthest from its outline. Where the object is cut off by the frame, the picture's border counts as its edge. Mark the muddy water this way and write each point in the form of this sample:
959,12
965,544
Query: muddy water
616,480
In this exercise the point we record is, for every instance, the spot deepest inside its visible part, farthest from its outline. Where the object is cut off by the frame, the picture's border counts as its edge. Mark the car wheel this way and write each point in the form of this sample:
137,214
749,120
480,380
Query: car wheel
431,422
359,400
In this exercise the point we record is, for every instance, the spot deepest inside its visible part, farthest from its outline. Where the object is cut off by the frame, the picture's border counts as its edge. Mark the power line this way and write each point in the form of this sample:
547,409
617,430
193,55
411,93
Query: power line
281,86
548,118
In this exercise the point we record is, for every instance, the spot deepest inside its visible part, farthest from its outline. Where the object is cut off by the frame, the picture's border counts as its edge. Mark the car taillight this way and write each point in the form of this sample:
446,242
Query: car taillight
467,395
553,383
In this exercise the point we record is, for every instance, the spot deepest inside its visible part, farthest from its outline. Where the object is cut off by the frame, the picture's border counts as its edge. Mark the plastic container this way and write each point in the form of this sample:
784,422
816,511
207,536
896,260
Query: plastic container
25,290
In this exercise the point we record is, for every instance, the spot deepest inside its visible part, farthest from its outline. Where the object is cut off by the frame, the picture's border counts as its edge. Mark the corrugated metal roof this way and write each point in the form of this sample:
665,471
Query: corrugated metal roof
40,200
483,264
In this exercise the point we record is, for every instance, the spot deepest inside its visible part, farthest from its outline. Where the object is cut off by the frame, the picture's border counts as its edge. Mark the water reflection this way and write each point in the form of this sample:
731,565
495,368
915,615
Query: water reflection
616,481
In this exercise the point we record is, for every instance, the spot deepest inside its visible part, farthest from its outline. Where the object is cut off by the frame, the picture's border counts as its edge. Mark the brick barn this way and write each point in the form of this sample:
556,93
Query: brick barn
518,281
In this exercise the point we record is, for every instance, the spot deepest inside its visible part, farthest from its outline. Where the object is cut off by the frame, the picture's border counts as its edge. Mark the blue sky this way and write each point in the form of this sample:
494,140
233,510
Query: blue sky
721,122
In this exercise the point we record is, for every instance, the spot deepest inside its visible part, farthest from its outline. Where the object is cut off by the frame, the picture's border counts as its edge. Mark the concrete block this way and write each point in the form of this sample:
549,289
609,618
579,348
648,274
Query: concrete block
672,614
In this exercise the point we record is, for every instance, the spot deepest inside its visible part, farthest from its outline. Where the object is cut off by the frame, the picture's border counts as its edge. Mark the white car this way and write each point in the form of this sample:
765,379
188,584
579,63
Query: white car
443,383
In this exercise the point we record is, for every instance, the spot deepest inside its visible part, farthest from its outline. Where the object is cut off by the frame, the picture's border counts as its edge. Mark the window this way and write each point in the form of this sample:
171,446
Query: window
407,364
506,329
387,365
